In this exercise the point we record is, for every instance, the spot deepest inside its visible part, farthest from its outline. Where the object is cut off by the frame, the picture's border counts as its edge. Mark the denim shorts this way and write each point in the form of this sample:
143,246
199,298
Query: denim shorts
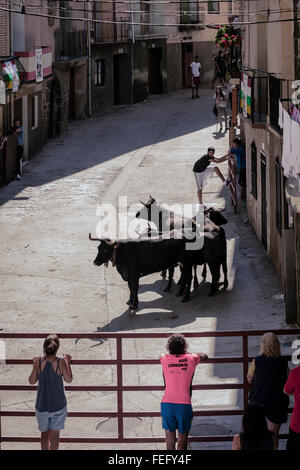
176,416
54,421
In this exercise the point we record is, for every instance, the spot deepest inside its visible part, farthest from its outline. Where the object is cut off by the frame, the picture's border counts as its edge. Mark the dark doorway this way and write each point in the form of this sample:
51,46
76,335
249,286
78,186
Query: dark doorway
154,71
122,79
18,109
187,59
54,123
72,107
264,238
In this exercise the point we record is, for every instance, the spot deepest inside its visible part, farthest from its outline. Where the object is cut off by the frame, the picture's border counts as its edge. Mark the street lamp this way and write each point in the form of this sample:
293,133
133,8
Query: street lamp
292,192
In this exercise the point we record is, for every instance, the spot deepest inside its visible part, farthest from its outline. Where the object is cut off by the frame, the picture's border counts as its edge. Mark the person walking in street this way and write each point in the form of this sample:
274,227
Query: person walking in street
203,169
51,403
195,68
255,434
292,387
238,152
176,410
267,375
220,70
220,101
18,130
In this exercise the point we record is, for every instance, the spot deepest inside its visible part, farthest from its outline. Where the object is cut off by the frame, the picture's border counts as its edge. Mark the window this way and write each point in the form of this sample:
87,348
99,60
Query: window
275,95
254,170
189,12
213,7
278,195
99,73
34,111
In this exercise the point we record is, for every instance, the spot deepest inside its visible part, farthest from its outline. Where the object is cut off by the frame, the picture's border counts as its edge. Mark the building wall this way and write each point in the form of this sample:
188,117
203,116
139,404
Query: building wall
174,66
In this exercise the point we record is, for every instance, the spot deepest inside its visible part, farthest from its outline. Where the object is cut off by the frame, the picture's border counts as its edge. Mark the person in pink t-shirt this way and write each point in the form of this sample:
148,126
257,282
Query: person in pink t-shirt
178,371
292,387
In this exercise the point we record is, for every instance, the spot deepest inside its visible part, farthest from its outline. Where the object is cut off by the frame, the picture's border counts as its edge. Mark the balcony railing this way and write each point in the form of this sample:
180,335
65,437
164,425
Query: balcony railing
190,20
69,45
108,32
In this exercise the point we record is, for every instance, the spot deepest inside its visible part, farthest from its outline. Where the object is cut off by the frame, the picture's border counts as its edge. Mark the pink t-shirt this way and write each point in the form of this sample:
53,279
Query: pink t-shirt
292,386
178,374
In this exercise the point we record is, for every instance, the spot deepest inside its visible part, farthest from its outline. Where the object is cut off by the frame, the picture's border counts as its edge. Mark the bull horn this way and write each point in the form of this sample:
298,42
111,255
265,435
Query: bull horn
94,239
143,203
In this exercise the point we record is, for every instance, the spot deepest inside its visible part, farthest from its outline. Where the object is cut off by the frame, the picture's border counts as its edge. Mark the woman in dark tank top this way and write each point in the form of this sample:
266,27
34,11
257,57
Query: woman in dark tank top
267,375
255,434
51,403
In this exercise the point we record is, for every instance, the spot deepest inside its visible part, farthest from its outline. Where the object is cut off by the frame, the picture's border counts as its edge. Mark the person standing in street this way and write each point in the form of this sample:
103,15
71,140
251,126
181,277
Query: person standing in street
195,68
203,169
18,130
267,376
176,410
51,403
220,99
238,152
292,387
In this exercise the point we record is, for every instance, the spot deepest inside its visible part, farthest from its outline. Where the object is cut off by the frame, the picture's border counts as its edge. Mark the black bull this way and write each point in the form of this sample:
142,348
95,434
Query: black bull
136,258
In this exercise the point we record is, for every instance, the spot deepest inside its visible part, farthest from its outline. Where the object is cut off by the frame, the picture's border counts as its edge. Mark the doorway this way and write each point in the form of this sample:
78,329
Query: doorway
264,238
187,59
122,79
154,71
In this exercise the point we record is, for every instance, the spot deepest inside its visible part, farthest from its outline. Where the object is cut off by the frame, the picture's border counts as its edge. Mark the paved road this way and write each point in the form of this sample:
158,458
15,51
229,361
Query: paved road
49,283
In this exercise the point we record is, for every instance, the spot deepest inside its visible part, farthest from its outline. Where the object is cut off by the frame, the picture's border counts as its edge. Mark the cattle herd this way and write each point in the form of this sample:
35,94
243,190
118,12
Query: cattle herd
165,247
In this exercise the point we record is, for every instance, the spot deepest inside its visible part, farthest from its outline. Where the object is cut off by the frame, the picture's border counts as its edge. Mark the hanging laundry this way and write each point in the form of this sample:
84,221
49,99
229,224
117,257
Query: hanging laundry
295,137
280,115
287,158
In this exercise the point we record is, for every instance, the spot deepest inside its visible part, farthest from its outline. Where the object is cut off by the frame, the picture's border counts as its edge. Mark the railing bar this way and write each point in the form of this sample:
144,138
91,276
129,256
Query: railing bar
151,335
124,388
245,369
120,388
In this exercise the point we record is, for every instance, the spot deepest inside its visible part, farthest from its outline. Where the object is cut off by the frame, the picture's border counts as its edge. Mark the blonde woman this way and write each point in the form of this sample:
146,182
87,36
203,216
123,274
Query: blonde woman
267,375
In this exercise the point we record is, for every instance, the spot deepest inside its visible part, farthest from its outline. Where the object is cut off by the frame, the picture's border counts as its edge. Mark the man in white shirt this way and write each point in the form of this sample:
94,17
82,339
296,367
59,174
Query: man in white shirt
195,67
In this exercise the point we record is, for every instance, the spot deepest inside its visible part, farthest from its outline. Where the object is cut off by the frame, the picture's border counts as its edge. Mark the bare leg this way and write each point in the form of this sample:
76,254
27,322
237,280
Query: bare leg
170,440
54,439
200,196
219,174
274,428
182,441
45,440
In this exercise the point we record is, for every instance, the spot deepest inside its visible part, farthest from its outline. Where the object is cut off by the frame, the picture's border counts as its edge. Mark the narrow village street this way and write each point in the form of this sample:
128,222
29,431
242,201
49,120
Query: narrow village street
50,284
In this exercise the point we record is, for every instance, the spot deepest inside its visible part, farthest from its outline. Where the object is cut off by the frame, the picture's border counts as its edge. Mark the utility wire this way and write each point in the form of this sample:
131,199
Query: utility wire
240,23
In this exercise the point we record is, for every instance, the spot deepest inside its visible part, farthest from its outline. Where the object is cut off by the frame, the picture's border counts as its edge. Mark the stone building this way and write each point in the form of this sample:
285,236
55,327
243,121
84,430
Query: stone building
269,71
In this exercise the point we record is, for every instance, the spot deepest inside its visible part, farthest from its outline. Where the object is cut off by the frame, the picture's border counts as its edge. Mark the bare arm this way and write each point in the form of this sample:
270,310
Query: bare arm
236,444
66,368
34,374
203,356
220,160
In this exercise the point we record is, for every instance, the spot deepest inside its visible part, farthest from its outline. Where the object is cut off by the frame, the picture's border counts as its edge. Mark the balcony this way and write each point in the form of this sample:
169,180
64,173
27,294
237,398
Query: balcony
70,45
191,19
108,33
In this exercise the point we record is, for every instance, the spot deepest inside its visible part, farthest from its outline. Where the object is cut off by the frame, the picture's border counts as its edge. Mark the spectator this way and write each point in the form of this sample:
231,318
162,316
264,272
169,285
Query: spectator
220,98
255,434
203,170
176,409
195,68
292,387
267,375
51,403
18,130
220,69
238,152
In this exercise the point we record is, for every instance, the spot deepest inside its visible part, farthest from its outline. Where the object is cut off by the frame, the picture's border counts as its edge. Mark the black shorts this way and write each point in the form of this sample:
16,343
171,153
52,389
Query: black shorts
293,442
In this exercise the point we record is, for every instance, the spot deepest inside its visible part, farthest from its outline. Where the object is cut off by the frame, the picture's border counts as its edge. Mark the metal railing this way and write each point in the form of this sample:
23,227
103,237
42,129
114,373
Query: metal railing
232,185
120,388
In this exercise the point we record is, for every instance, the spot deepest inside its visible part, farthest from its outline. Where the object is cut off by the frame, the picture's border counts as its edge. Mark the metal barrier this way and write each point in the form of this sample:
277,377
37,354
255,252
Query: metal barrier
119,362
232,185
